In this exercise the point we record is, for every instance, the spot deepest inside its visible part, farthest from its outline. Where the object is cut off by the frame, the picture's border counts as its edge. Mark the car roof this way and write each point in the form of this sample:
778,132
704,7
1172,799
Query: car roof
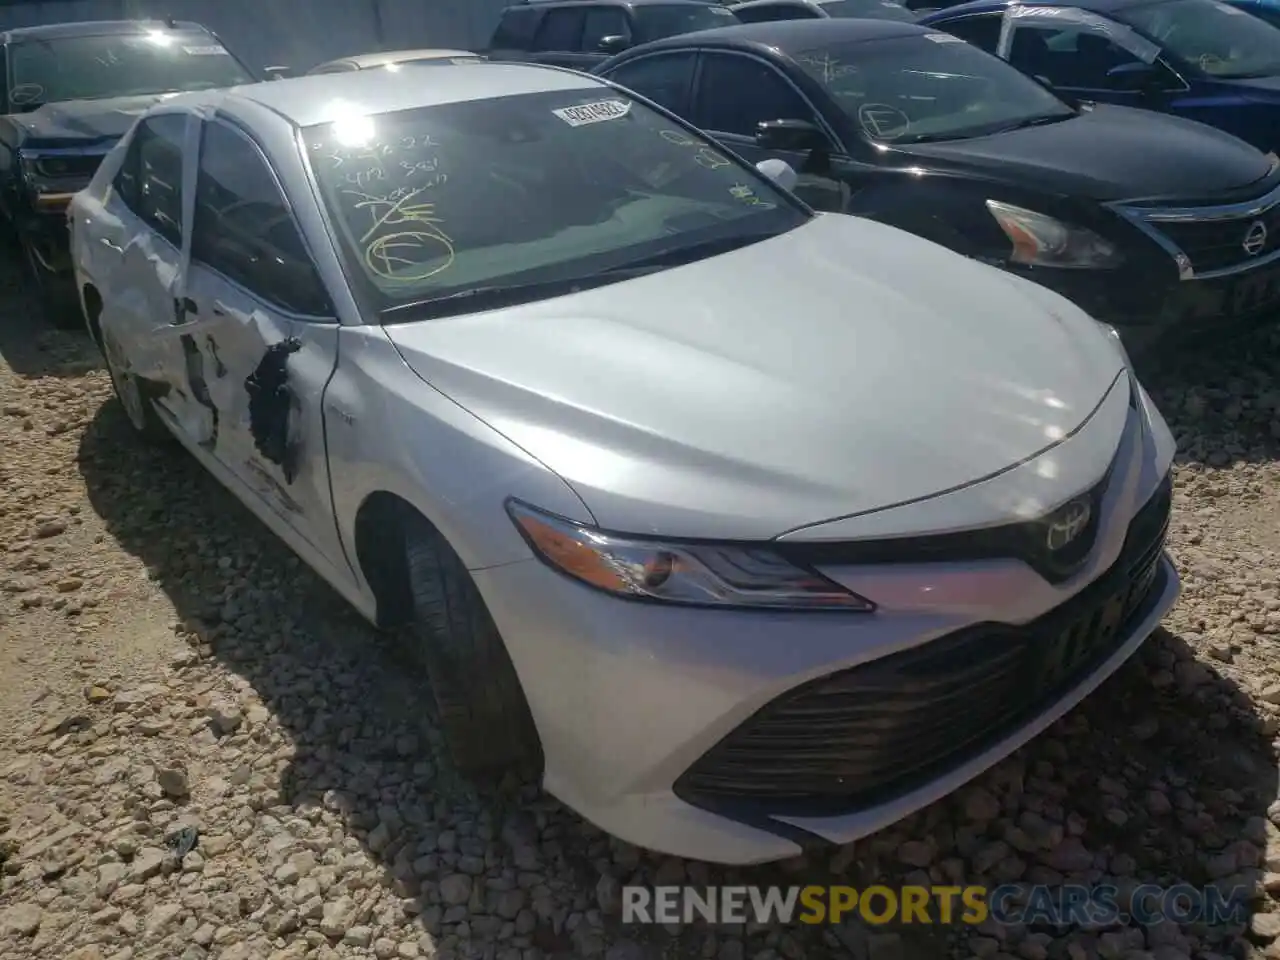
1094,6
747,4
323,97
366,60
789,36
99,28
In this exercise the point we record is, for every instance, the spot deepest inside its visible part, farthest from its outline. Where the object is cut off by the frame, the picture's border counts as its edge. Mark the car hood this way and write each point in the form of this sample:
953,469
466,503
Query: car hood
83,122
845,366
1106,153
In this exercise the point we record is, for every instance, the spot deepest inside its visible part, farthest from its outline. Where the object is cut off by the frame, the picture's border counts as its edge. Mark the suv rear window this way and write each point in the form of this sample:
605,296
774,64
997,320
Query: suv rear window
515,29
655,21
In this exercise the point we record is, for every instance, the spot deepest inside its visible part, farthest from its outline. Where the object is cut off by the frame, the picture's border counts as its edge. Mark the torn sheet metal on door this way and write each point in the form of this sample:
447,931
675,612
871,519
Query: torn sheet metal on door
272,408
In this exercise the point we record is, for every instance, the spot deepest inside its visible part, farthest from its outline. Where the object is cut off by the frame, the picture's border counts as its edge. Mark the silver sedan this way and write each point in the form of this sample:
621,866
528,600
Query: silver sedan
748,528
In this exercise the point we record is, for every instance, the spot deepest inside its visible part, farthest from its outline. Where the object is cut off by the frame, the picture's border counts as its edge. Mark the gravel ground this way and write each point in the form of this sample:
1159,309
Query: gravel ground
166,664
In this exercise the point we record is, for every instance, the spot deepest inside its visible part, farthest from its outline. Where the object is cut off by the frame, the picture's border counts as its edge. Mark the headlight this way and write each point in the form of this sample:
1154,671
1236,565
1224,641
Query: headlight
1042,241
78,167
691,574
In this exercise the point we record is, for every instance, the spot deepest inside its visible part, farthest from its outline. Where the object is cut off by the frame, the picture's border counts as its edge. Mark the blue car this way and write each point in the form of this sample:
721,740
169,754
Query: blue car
1268,10
1198,59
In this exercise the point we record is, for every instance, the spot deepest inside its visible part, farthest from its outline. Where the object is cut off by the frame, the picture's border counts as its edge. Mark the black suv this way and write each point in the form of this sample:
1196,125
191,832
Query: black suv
584,33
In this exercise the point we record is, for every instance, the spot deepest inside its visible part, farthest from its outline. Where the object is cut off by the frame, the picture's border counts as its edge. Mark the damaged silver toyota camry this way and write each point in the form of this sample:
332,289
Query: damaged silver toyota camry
749,528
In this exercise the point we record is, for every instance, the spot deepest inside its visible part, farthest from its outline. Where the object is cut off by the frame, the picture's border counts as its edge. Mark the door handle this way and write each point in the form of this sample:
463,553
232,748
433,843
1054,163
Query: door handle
109,245
219,308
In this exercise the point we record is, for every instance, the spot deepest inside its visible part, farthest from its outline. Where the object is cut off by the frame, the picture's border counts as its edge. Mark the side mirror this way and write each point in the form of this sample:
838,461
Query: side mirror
277,72
613,44
780,172
796,135
1135,78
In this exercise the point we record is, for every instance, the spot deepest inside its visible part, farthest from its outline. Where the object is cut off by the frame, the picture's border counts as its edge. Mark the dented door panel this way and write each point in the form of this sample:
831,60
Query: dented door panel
263,374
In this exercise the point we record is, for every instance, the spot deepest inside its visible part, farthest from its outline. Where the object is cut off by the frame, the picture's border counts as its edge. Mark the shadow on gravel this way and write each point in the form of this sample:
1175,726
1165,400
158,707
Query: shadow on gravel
1164,776
28,344
1222,399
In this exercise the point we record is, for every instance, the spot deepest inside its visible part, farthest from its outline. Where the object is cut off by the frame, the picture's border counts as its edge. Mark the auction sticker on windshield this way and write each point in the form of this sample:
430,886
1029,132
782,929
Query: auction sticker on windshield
597,112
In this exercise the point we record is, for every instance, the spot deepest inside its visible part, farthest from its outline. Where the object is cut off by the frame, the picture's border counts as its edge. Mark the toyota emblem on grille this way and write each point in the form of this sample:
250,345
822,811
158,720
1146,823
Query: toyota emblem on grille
1255,238
1067,524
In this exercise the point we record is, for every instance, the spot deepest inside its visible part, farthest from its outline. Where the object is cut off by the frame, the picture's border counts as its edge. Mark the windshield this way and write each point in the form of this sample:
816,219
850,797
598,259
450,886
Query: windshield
867,9
528,189
655,21
928,87
118,65
1220,40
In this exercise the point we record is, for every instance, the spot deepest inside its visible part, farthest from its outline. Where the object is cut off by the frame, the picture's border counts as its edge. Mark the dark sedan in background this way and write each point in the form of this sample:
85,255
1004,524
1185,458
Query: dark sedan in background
1149,222
70,91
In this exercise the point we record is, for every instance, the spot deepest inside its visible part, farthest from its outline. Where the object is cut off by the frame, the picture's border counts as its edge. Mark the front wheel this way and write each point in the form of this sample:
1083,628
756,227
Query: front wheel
483,713
131,393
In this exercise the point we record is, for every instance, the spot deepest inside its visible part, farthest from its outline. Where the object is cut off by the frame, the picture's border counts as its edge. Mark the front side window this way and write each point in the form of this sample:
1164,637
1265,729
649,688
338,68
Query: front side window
244,228
1215,38
771,12
149,181
736,94
561,30
982,30
118,65
542,187
658,20
867,9
665,79
603,22
930,87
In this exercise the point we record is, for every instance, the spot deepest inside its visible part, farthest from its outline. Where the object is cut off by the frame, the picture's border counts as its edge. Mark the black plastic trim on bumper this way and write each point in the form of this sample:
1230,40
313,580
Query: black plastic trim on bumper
749,803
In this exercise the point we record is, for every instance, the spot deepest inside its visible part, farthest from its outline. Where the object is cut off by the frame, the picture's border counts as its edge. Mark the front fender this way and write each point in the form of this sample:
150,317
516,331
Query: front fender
389,431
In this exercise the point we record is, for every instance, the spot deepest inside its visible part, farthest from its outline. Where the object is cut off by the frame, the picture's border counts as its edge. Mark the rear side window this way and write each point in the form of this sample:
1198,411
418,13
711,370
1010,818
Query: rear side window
515,30
150,179
561,30
244,228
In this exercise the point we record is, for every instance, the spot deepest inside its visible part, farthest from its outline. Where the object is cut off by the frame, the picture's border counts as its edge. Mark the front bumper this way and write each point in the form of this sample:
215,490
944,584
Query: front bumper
635,703
1154,310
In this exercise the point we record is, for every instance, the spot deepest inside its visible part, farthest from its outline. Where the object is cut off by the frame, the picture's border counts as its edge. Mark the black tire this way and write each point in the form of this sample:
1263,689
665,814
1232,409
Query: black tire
54,294
134,397
482,709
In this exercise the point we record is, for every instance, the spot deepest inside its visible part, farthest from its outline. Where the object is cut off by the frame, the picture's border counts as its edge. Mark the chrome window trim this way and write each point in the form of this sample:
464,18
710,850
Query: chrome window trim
1148,219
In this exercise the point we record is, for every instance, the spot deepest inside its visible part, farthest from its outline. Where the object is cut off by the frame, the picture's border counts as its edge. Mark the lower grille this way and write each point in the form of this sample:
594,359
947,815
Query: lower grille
879,730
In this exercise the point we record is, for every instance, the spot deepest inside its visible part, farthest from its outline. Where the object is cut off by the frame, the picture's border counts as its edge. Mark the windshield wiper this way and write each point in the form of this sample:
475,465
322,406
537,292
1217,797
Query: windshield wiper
1032,122
493,295
489,296
690,252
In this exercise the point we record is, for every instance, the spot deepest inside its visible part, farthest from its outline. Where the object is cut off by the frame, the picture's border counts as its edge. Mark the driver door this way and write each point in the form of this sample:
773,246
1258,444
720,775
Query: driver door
734,93
1082,54
259,338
